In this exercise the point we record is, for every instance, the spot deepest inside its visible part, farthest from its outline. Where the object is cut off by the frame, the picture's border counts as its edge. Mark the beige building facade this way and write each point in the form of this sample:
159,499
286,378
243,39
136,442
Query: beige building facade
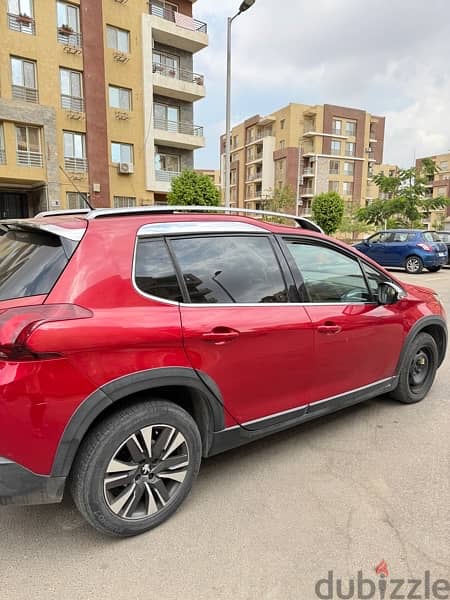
311,149
96,101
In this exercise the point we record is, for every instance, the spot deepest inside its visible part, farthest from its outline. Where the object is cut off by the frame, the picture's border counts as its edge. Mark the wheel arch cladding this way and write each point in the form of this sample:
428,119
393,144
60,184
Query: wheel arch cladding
182,386
434,326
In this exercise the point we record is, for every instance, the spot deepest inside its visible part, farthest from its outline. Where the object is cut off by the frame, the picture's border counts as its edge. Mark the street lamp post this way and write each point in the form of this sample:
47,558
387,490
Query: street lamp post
246,4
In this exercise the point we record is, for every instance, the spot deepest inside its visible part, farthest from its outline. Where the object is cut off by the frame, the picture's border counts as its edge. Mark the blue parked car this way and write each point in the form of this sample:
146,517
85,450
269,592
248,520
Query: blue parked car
411,249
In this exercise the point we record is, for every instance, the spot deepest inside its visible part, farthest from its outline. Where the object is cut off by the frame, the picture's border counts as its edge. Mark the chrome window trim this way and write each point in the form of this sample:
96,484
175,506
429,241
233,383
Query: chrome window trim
193,227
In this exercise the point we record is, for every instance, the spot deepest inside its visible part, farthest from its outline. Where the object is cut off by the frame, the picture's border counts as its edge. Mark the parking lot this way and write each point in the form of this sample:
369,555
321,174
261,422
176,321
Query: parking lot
267,520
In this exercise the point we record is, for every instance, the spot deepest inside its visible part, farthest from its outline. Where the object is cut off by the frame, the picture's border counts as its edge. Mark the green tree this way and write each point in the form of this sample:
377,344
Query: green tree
409,199
328,211
193,189
281,200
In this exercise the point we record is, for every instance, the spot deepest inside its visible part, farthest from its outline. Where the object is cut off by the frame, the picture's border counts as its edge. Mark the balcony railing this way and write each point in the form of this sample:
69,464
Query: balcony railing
166,176
308,171
29,159
22,23
254,177
176,73
307,190
72,103
335,151
69,38
175,17
2,157
336,131
179,127
20,92
75,165
253,157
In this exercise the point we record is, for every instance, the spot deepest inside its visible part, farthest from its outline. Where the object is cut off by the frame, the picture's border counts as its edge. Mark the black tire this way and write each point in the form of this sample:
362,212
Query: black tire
117,448
418,370
434,269
413,265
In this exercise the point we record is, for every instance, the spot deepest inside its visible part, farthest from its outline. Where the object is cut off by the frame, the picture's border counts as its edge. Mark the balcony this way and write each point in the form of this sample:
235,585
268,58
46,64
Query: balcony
21,92
22,23
180,84
26,158
308,172
167,176
75,165
255,177
174,29
307,191
69,38
72,103
178,134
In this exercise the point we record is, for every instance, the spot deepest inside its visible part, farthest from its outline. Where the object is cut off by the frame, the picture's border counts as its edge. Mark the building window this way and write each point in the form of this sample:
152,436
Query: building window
334,167
282,123
68,20
235,141
166,117
71,90
250,136
167,166
350,149
75,151
350,128
282,144
120,98
337,127
20,16
233,177
164,9
166,64
336,147
233,194
333,186
118,39
124,201
76,200
442,191
443,165
349,168
121,153
2,146
24,85
28,144
347,188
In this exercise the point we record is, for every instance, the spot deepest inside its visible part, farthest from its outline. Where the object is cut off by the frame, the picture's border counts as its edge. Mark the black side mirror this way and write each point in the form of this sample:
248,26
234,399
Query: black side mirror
388,293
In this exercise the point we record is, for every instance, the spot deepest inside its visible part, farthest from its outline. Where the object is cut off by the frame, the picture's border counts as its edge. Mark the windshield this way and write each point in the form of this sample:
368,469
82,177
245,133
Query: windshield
30,263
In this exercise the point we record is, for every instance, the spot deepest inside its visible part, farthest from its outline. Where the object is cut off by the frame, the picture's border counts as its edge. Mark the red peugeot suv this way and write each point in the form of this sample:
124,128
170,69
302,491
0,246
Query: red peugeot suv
135,342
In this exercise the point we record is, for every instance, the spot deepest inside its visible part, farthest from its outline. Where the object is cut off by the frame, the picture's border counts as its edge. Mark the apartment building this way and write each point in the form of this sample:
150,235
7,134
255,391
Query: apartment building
312,149
96,98
373,192
439,185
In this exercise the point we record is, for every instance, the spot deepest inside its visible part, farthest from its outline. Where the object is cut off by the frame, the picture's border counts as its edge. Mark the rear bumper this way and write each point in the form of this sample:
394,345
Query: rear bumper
434,261
21,486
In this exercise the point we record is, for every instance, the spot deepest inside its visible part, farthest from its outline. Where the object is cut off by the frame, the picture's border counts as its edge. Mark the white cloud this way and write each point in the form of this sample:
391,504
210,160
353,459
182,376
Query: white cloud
388,57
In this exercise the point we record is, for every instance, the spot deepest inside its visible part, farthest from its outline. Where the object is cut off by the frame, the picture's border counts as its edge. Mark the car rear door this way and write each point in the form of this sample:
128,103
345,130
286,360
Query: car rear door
239,328
357,342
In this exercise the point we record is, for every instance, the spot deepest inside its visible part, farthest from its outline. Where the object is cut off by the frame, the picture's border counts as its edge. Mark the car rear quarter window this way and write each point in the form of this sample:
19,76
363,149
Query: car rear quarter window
155,272
230,269
329,276
30,262
431,236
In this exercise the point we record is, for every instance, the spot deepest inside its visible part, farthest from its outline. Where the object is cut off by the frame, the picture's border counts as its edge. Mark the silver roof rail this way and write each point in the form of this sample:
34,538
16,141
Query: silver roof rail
56,213
98,213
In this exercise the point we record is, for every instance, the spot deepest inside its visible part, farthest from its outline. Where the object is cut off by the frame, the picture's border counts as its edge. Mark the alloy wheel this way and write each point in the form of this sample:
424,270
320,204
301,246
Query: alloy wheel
413,264
146,472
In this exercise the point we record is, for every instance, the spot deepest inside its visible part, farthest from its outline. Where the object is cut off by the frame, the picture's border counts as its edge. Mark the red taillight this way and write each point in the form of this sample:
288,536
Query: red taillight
425,247
17,324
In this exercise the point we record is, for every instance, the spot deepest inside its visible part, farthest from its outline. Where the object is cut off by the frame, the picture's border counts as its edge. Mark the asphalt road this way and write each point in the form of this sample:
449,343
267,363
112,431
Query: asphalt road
268,520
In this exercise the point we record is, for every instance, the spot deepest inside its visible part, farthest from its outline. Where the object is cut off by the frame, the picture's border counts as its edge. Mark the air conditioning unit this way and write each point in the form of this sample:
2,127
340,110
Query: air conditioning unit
126,168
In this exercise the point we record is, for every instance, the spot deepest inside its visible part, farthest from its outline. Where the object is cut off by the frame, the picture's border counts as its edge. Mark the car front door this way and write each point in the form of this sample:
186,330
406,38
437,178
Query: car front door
357,341
239,329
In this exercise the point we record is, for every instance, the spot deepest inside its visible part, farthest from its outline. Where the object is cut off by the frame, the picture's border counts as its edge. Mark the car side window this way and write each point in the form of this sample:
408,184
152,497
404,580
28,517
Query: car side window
155,272
381,238
400,236
230,269
329,275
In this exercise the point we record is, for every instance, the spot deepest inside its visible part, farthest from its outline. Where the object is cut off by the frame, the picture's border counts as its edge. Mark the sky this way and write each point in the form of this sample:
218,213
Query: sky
389,57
